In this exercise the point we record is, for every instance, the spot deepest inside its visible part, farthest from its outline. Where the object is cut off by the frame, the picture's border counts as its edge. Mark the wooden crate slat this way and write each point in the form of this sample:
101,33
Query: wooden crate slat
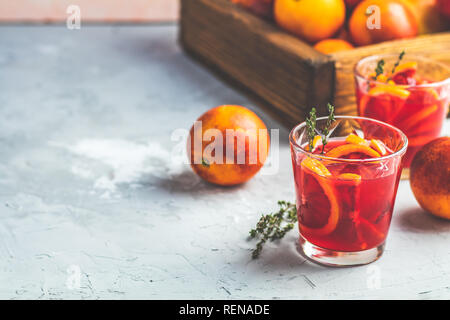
435,46
279,68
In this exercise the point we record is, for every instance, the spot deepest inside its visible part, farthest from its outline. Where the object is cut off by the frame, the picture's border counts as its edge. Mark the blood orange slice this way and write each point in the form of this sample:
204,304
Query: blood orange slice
418,101
315,143
383,102
350,176
348,187
378,146
371,233
354,139
319,210
409,123
404,73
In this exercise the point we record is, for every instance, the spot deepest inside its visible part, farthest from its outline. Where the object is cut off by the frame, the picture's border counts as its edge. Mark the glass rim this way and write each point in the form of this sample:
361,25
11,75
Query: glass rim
414,56
400,152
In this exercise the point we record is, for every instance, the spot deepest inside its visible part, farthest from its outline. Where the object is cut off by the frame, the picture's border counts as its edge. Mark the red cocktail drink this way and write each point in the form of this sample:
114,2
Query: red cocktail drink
414,96
345,191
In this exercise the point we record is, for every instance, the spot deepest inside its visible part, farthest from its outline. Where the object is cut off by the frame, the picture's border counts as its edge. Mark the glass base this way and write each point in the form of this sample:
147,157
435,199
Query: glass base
334,258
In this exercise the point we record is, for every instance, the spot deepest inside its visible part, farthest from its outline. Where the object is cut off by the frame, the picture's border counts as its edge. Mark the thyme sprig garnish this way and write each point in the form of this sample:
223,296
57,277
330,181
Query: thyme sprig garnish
400,57
312,131
326,130
274,226
379,69
311,127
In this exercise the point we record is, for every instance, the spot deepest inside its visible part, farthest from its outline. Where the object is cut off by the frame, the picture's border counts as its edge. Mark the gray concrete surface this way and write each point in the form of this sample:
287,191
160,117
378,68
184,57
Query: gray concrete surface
91,184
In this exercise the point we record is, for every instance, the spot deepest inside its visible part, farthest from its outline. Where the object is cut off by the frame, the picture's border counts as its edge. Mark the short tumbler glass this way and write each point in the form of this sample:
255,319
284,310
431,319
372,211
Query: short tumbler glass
419,110
345,222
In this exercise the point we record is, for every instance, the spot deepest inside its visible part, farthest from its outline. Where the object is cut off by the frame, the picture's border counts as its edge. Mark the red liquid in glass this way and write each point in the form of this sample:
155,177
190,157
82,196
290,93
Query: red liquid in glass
420,115
364,207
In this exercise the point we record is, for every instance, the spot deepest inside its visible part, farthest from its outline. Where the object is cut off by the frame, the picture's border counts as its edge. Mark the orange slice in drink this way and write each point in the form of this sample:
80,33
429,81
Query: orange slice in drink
404,73
409,123
410,67
350,176
391,90
315,143
316,166
354,139
348,149
321,208
383,102
422,104
370,230
378,146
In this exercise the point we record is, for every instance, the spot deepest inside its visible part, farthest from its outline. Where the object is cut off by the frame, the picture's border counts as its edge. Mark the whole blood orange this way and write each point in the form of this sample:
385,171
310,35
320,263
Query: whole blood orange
375,21
228,145
429,19
311,20
328,46
430,177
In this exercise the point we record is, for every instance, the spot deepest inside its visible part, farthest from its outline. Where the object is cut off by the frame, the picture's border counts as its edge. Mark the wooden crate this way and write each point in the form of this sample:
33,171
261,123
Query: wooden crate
285,72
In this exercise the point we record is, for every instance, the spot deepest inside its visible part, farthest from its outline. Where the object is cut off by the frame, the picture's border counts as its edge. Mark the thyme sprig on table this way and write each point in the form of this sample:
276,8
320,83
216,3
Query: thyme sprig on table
274,226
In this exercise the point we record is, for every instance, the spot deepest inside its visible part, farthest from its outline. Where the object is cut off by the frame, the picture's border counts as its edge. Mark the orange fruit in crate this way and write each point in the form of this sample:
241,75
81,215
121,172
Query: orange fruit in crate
228,145
328,46
262,8
375,21
311,20
430,177
429,19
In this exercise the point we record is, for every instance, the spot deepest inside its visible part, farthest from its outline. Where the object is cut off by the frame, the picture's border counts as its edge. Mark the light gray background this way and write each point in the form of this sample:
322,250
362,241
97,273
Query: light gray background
89,181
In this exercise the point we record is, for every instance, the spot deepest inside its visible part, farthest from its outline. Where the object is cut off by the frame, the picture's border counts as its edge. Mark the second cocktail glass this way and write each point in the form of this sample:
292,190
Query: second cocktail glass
412,94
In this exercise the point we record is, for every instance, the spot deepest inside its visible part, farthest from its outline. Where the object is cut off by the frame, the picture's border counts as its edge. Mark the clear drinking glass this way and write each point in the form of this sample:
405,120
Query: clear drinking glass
345,213
414,98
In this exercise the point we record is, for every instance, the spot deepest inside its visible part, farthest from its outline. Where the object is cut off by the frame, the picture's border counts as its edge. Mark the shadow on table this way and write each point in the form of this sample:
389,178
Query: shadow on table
418,220
188,182
283,255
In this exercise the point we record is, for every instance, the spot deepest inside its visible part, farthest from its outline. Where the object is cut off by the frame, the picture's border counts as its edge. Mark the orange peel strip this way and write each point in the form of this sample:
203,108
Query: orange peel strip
316,166
378,146
405,66
390,90
350,176
347,149
316,140
354,139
